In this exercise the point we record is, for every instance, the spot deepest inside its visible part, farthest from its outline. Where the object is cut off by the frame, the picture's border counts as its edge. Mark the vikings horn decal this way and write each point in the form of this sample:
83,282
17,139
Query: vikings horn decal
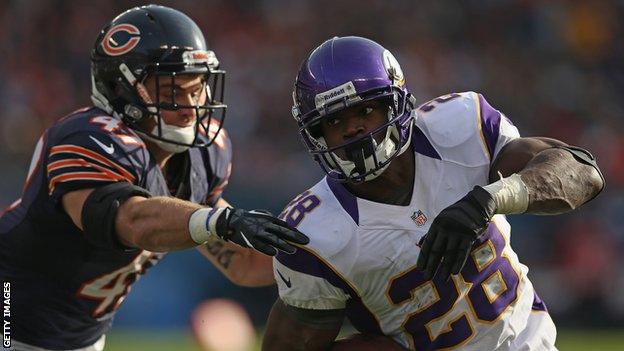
393,68
112,48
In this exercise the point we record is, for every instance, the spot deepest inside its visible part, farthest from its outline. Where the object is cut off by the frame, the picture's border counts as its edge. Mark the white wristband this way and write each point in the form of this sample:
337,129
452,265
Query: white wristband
202,224
510,194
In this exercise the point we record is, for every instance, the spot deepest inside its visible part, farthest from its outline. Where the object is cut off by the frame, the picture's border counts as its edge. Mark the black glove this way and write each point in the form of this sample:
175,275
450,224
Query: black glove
258,230
453,232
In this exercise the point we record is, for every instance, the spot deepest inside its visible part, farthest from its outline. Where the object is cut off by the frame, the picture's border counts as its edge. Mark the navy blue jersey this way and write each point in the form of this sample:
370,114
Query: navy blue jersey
65,290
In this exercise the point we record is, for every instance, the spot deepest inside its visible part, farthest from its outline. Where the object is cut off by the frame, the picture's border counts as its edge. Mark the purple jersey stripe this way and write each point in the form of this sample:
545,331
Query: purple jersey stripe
346,199
538,303
422,145
490,124
308,263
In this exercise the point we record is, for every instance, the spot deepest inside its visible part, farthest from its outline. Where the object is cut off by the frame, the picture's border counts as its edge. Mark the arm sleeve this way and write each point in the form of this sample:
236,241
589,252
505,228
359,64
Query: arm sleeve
86,160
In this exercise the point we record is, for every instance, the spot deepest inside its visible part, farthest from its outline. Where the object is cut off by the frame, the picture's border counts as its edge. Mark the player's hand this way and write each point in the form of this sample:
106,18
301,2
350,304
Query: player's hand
453,232
258,230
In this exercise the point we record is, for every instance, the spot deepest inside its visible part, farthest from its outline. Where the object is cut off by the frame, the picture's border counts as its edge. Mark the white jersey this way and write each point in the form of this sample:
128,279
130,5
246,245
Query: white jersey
362,254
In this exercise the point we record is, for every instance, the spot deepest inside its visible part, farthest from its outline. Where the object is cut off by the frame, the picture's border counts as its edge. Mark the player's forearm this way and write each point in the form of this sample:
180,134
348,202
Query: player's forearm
156,224
242,266
556,182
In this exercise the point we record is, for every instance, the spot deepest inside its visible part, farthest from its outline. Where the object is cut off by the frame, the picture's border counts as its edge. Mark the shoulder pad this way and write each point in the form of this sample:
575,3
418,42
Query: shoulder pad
317,214
87,149
94,121
449,119
452,124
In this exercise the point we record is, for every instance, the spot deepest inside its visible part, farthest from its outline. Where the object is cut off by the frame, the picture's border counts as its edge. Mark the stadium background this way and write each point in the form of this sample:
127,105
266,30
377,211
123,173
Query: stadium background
556,68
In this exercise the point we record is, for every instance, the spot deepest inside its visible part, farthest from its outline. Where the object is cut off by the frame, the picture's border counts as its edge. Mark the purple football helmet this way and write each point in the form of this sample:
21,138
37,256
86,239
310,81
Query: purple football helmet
343,72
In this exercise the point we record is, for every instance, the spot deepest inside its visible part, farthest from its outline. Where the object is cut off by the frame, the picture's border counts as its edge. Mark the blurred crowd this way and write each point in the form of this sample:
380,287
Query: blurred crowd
555,68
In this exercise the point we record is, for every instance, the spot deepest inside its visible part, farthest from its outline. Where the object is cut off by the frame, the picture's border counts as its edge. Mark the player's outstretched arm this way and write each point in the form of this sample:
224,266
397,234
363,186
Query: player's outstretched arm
558,177
120,214
296,329
242,266
540,176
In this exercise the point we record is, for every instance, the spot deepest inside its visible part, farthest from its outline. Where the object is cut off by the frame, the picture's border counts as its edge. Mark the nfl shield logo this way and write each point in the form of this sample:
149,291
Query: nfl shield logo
419,218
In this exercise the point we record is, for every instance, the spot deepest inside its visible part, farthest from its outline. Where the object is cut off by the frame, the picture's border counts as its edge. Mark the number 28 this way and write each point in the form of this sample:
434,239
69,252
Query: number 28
437,323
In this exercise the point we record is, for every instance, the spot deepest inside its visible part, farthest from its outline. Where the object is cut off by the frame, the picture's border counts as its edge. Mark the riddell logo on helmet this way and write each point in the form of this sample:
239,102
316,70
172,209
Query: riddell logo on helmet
324,98
333,94
113,48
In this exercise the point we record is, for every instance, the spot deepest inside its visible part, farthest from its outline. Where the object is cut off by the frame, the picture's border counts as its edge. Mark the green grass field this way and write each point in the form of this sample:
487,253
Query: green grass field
567,340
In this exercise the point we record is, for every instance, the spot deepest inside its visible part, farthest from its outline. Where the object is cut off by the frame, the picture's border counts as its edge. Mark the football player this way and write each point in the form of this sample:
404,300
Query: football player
408,237
113,186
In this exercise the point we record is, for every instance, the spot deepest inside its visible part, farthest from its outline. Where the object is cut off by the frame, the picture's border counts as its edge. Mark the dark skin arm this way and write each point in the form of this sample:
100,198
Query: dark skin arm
296,329
556,181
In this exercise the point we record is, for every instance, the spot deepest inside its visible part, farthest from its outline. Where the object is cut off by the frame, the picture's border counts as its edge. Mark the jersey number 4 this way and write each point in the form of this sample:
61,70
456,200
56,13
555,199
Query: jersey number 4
114,126
111,289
